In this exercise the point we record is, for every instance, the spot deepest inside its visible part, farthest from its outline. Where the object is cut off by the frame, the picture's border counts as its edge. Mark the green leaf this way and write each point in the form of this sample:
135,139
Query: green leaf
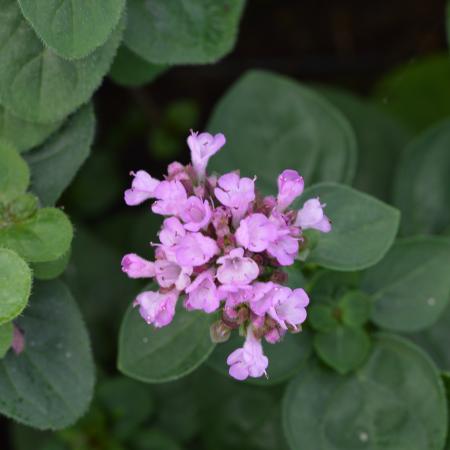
322,317
355,307
363,228
380,137
73,28
159,355
434,340
44,237
50,384
188,32
131,70
35,83
15,285
286,126
417,92
410,287
343,348
6,336
14,173
286,358
62,155
23,134
396,401
421,188
51,269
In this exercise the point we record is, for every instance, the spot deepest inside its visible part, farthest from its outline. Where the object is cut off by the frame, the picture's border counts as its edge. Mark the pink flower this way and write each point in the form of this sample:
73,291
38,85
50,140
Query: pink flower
136,267
234,295
171,232
290,186
142,188
248,361
312,216
256,232
203,293
195,249
155,308
171,197
236,269
285,247
202,147
176,171
196,214
274,335
236,193
170,274
220,220
290,307
263,297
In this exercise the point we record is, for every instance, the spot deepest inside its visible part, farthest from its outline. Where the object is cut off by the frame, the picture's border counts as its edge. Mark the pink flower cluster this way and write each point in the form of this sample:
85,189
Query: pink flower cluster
223,248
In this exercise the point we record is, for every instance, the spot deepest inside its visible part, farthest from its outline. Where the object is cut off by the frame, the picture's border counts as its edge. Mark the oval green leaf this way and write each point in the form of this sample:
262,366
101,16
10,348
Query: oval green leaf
14,174
421,187
15,285
51,269
363,230
44,237
396,401
410,287
188,32
62,155
22,134
286,358
159,355
73,28
273,123
49,385
35,83
380,137
343,348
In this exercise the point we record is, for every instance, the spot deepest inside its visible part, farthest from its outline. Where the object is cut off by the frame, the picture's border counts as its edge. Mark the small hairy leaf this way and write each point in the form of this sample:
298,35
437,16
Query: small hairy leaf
73,28
44,237
23,134
15,285
187,32
14,173
36,84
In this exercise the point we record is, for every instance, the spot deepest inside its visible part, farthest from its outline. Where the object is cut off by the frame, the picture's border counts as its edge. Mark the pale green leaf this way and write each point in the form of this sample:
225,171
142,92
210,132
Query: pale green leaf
186,32
15,285
73,28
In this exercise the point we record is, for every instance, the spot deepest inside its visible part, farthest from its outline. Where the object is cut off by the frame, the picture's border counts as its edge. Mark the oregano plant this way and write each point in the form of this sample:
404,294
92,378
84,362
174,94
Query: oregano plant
260,262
